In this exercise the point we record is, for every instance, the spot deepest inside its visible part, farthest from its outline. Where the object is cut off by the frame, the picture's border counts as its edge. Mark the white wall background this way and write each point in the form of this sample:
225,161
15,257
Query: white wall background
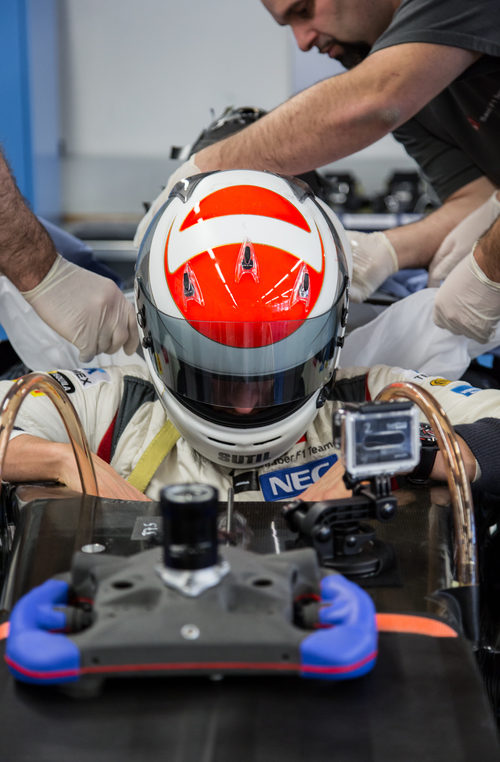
138,76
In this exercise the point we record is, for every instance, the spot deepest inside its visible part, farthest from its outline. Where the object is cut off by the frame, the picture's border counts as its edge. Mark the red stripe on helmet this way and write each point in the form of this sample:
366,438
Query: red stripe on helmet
246,199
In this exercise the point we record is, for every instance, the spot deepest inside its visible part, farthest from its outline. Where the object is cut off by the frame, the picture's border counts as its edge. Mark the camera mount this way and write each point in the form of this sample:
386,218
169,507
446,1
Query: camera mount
335,530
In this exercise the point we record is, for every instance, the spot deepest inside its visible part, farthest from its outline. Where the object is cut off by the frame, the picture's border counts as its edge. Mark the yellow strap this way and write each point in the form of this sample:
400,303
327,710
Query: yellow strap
153,455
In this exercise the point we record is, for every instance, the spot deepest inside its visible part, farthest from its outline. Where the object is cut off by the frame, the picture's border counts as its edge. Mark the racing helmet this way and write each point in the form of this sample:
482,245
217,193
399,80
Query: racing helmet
241,292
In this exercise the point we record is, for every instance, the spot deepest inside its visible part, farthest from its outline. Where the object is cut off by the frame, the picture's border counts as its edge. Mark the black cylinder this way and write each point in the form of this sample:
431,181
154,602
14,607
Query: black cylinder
189,526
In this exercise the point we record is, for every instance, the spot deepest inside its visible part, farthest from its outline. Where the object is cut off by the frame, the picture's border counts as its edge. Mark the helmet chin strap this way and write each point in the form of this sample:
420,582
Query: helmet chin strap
326,392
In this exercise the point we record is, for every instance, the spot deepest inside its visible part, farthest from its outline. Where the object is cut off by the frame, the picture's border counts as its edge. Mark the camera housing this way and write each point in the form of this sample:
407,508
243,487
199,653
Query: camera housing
377,438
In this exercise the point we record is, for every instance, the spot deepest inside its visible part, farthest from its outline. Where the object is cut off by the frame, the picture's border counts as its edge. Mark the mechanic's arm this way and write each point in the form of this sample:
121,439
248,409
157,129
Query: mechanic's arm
30,458
417,242
342,114
26,249
376,256
460,241
487,252
86,309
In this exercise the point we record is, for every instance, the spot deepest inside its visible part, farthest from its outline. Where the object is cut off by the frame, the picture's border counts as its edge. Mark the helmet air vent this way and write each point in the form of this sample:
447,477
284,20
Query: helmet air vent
302,287
190,287
247,262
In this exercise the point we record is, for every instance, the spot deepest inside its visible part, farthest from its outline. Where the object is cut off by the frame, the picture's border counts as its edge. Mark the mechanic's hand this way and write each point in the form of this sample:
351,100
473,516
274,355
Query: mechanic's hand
185,170
86,309
329,487
459,241
468,303
373,259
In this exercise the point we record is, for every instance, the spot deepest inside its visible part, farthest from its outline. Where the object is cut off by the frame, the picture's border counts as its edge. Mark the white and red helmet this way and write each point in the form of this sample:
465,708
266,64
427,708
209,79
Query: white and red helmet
241,292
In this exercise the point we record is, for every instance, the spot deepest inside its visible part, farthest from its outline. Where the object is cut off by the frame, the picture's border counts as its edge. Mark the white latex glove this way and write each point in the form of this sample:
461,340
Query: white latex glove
86,309
468,303
373,259
461,239
185,170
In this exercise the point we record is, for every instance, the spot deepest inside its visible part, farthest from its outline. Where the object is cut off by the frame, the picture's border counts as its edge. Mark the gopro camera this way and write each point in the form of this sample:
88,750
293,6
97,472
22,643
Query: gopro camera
377,438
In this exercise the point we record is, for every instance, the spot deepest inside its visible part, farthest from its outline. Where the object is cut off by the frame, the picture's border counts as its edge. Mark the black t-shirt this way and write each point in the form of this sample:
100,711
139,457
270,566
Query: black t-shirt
455,138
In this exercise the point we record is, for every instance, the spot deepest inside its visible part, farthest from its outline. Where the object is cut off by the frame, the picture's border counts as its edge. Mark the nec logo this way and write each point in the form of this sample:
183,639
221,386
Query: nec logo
290,482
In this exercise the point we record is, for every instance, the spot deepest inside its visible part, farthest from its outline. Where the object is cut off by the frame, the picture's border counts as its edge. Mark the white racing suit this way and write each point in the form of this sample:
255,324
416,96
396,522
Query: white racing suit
121,415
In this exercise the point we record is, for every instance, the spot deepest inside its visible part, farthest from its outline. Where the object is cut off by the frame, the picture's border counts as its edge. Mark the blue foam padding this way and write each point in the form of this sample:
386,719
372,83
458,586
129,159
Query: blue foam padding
347,648
34,654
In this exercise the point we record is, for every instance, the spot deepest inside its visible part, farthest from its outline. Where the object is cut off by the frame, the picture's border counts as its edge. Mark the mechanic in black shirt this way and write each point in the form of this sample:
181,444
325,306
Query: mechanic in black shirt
429,72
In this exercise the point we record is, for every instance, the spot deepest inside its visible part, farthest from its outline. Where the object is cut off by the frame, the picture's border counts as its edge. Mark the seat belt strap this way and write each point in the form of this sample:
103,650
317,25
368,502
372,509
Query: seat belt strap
152,456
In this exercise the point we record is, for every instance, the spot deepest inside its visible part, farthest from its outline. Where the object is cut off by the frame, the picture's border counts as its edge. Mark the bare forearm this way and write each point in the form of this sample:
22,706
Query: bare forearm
332,119
30,458
342,114
310,130
26,250
415,244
